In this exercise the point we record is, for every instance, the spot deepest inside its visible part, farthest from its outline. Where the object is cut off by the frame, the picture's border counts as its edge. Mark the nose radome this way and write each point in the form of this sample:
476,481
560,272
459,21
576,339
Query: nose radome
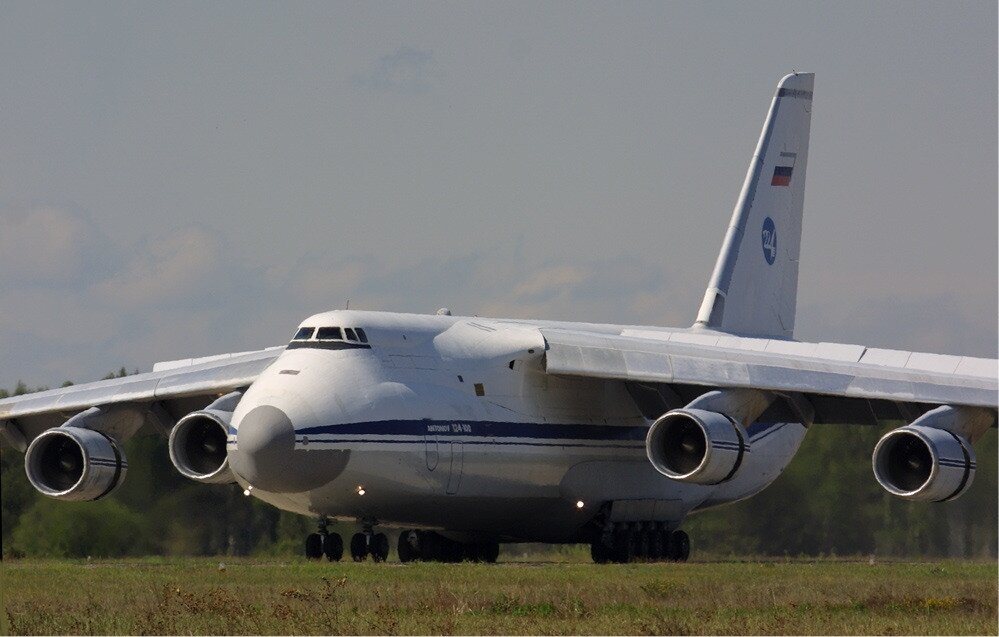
265,445
265,454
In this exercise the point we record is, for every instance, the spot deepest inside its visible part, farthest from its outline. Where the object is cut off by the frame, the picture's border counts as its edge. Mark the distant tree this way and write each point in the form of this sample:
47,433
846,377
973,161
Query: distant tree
105,528
16,495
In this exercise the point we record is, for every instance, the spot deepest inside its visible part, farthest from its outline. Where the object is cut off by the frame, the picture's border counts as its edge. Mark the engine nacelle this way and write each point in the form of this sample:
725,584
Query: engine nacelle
198,446
72,463
694,445
917,462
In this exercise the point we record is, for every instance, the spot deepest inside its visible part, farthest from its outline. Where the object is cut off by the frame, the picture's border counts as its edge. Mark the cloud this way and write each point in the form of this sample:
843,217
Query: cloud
45,244
165,271
551,282
942,323
407,71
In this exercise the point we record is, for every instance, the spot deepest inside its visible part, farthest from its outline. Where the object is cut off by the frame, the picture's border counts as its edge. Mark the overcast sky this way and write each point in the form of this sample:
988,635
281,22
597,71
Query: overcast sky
182,179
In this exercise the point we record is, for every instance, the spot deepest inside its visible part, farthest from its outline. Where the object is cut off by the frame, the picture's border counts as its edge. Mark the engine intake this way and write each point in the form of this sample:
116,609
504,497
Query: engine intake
694,445
198,446
923,463
72,463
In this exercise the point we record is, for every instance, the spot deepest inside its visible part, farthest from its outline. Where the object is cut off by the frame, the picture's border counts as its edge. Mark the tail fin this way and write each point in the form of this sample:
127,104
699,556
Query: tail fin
754,288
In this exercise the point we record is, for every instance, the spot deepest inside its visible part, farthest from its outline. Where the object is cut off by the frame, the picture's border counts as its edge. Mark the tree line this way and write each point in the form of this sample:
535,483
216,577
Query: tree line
826,503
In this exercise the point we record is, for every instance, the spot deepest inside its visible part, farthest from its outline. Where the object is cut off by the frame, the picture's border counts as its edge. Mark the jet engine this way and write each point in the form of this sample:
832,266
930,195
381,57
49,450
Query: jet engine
918,462
695,445
73,463
198,442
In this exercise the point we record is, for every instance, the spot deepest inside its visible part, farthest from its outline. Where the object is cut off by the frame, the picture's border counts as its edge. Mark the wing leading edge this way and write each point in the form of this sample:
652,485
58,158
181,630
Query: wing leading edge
837,377
195,380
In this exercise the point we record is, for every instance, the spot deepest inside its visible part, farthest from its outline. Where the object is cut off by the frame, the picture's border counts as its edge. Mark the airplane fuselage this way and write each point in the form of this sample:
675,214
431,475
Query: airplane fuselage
451,423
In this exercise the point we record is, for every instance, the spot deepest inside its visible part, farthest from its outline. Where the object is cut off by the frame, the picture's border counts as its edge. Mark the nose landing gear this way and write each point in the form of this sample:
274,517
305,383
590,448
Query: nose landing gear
324,543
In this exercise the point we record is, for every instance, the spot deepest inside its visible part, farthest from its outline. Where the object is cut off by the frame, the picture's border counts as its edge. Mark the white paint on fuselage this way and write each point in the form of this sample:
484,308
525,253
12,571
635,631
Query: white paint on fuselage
509,464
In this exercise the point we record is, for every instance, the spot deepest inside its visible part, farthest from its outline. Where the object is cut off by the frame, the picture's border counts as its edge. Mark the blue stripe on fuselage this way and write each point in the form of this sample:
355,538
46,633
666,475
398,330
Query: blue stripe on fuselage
496,429
486,429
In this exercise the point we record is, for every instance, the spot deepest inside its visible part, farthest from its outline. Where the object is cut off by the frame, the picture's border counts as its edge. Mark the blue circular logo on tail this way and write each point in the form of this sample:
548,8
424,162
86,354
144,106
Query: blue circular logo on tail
769,241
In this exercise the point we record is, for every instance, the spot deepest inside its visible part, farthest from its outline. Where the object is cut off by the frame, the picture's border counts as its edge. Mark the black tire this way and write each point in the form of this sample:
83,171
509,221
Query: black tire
624,547
658,545
600,552
379,547
313,546
643,544
472,552
431,547
681,546
333,547
490,552
358,547
454,552
407,552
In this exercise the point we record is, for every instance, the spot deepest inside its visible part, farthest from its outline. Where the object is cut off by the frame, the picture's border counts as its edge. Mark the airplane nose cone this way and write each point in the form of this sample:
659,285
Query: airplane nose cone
265,444
265,455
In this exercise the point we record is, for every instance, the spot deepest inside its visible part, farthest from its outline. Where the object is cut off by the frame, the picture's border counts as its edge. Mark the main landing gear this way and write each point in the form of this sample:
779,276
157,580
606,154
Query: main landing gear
324,543
640,542
367,542
428,546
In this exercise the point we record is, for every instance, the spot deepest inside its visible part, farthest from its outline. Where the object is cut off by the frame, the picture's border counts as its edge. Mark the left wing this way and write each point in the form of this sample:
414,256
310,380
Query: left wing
843,383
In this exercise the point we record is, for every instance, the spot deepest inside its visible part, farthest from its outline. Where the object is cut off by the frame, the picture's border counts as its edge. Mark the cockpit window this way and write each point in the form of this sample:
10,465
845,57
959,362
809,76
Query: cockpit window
330,338
329,333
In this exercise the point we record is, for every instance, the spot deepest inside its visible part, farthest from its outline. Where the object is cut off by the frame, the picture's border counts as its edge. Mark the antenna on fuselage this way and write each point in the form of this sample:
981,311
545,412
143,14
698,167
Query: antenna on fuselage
348,305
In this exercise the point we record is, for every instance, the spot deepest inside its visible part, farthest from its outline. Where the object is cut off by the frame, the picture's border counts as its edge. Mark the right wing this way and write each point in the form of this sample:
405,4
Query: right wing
160,397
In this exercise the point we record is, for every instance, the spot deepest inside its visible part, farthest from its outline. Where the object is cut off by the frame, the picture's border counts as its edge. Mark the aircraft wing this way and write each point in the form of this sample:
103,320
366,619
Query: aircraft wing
176,387
844,383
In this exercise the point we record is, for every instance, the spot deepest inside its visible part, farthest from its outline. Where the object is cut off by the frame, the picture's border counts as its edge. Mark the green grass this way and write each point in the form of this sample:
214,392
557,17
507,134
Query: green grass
253,596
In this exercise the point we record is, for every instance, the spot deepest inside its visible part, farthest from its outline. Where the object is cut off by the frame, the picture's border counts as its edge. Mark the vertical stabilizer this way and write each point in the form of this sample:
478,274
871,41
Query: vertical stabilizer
754,288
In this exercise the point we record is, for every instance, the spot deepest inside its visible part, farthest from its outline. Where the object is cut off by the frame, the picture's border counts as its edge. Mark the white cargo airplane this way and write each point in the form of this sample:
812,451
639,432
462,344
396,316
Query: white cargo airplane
467,432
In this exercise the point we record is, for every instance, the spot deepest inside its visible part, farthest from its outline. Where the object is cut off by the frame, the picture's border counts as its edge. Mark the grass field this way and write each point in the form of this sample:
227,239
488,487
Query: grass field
252,596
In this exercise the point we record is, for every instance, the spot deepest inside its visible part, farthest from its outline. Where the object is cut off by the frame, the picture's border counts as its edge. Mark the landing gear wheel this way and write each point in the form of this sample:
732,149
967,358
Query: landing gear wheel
472,552
600,552
379,547
658,545
333,547
358,547
490,552
409,546
679,546
624,546
643,544
453,551
314,546
430,547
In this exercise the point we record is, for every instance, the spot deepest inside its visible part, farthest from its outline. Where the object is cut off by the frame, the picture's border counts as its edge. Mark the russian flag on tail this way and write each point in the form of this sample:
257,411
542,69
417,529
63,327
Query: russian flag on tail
782,176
